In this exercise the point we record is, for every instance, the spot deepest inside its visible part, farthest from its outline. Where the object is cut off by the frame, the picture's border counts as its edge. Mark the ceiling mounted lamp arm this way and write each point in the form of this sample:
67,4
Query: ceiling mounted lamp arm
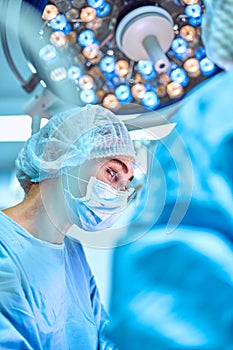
151,119
30,84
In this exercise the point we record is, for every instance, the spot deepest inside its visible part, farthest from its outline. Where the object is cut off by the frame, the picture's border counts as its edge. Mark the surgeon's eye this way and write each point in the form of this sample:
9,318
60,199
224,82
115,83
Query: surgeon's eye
114,179
112,172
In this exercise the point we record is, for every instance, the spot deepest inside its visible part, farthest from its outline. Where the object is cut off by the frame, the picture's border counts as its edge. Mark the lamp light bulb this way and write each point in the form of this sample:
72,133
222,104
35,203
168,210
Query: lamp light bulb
50,12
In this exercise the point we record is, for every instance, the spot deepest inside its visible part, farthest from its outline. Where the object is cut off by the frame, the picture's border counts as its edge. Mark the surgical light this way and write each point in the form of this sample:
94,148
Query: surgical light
119,52
207,67
150,100
88,96
180,76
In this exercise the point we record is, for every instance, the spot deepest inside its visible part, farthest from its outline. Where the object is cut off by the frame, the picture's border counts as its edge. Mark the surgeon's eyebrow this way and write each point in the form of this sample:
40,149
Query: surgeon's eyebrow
123,165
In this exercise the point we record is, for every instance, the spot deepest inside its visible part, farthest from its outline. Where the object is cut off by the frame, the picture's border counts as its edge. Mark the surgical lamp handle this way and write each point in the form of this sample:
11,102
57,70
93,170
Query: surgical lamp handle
156,53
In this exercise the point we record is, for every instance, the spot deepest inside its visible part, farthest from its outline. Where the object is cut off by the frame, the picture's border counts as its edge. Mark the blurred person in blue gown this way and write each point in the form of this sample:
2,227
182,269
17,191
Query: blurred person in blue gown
173,288
75,170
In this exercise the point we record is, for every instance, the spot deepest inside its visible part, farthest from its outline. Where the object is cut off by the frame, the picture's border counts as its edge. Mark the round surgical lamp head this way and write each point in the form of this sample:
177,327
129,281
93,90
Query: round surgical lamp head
144,35
129,57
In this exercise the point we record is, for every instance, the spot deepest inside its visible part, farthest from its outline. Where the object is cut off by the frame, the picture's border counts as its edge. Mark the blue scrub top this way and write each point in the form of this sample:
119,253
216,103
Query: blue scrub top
48,295
173,292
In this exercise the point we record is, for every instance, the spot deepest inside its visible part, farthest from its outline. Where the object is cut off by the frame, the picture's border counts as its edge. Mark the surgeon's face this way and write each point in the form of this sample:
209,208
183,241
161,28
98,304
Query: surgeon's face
117,171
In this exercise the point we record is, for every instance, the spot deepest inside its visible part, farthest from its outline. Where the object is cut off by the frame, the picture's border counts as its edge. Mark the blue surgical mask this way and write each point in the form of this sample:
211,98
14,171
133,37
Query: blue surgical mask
100,208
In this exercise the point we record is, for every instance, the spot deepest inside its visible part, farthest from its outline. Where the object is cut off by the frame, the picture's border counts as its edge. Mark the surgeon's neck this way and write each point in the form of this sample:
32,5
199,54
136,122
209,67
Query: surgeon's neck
42,213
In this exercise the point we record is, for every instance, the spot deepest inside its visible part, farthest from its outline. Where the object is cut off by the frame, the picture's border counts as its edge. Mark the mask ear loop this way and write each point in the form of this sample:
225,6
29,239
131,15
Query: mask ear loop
76,177
131,195
86,181
67,175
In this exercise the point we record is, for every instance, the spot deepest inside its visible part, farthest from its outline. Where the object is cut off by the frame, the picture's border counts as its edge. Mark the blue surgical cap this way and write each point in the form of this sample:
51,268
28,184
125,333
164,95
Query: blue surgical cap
69,139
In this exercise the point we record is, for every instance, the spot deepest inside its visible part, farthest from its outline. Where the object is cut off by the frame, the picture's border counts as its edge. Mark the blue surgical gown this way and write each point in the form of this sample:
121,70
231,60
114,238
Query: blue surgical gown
48,295
173,292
